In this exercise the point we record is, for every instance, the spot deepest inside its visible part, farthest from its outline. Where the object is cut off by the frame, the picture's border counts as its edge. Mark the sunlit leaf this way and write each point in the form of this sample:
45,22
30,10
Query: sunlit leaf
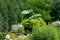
26,11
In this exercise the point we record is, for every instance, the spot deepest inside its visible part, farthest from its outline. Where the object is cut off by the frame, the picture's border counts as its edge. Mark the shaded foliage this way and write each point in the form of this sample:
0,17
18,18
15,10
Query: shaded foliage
45,33
55,13
10,13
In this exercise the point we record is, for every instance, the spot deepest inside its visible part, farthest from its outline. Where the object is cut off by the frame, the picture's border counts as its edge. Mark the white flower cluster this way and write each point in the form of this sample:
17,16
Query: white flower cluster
16,27
24,36
56,23
8,37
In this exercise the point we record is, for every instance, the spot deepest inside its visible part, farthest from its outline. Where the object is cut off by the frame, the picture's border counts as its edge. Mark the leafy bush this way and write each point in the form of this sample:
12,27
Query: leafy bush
41,7
45,33
59,31
2,36
29,23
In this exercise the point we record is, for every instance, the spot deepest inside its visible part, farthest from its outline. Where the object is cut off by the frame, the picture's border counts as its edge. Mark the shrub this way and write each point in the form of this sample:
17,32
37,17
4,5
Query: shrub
45,33
41,7
55,10
2,36
29,23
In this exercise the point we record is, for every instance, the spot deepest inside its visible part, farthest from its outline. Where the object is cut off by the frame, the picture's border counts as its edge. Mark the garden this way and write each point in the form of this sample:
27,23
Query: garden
29,19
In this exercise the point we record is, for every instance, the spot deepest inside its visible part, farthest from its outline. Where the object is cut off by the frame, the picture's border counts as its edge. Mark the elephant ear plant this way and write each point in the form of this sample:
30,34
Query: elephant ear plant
24,12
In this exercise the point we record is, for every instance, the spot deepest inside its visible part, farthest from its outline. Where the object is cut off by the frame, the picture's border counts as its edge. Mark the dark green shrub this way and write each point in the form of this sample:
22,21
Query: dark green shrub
45,33
10,13
29,23
55,10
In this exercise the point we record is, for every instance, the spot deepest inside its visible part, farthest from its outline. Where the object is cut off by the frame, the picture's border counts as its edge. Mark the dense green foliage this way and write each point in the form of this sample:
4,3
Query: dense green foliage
55,13
45,33
40,7
2,36
29,23
33,15
10,13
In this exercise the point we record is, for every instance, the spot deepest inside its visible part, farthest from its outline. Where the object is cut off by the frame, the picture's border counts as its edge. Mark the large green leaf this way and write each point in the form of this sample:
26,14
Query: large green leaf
26,11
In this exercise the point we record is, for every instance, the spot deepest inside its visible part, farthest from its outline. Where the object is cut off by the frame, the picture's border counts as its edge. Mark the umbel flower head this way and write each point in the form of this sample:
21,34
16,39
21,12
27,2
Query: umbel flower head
7,36
56,23
16,27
